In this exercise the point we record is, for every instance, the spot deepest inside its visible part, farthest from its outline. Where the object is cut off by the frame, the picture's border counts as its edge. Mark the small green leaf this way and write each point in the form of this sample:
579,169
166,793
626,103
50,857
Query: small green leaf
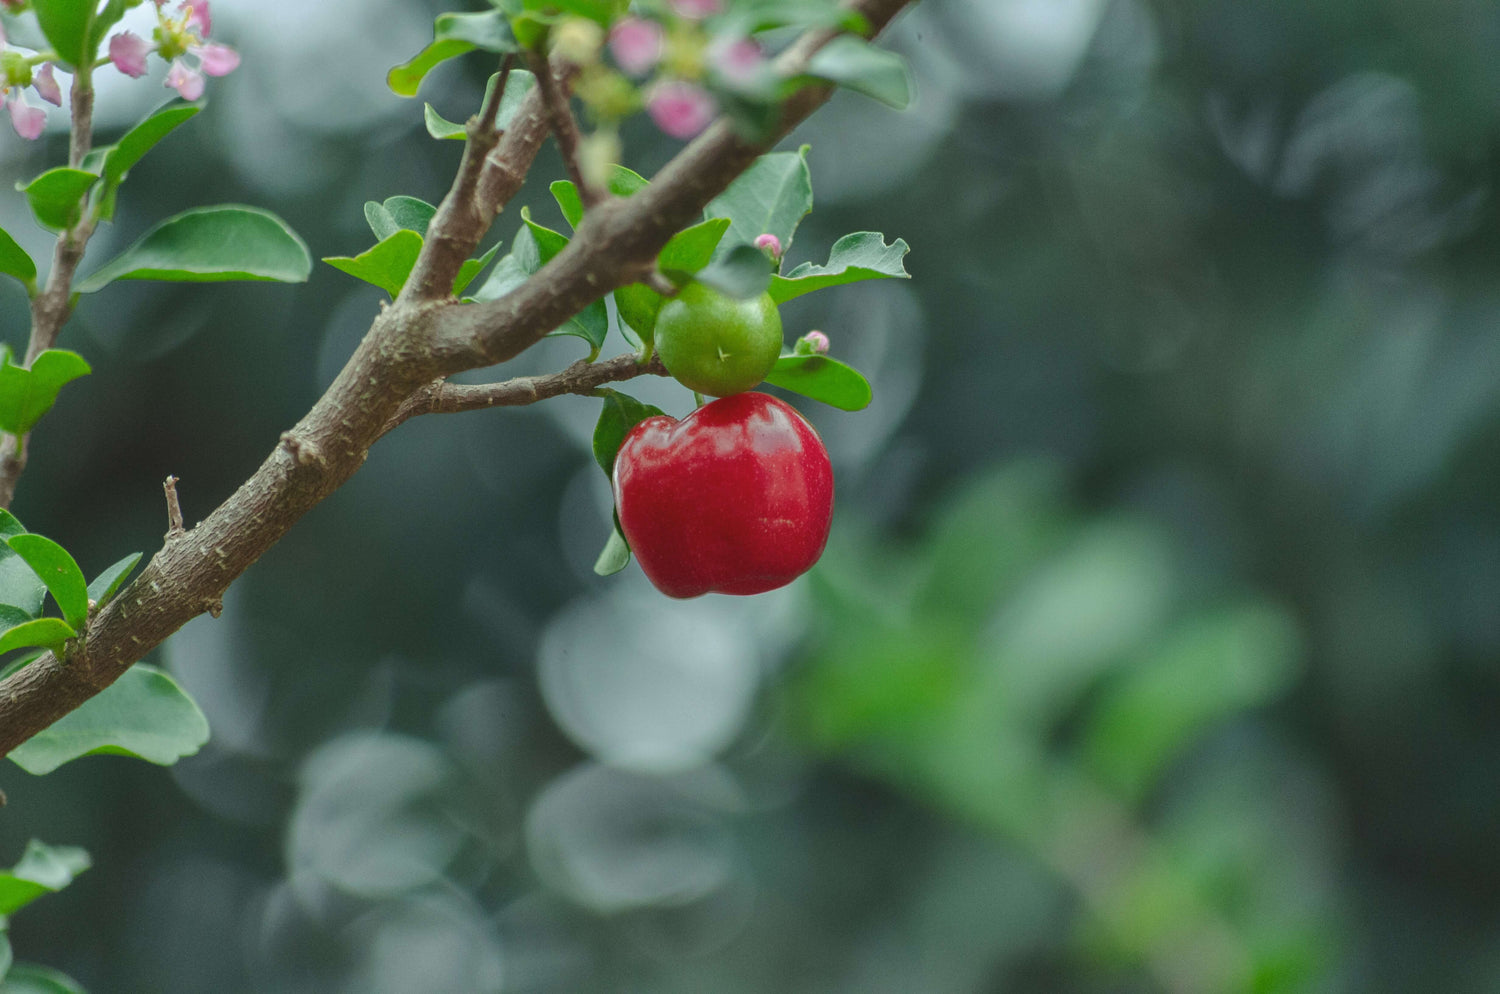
48,633
623,182
56,196
20,587
10,524
856,65
211,244
525,258
118,158
399,213
144,714
614,557
27,394
688,252
453,34
621,412
387,264
471,269
59,572
514,269
29,978
548,242
66,25
744,272
517,86
771,197
15,262
822,378
860,256
42,870
636,306
107,584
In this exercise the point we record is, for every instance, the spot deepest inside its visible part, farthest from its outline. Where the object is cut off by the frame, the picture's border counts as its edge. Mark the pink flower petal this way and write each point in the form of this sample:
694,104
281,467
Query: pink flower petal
28,121
817,342
215,59
739,61
769,244
45,82
128,52
187,82
636,44
696,9
680,109
197,11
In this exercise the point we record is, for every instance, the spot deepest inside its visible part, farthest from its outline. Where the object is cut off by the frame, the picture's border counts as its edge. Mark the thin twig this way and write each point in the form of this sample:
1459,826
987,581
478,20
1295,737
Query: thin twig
174,509
490,112
564,128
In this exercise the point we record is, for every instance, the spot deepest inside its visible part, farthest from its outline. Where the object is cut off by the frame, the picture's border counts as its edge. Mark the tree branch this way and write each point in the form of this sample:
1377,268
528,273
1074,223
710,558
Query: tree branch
564,128
425,335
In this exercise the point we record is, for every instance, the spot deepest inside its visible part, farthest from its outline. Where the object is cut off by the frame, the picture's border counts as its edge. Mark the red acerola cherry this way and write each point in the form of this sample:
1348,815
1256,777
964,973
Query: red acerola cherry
736,498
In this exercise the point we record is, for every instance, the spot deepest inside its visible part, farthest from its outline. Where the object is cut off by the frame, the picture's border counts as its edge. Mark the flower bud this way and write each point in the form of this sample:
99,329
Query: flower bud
770,245
578,40
812,343
636,44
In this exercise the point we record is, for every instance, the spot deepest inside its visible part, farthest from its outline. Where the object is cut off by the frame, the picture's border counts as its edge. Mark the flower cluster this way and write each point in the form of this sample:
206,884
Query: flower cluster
180,39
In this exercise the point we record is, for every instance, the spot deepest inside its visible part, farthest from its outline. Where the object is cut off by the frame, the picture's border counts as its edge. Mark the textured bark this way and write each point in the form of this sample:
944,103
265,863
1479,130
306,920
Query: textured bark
423,336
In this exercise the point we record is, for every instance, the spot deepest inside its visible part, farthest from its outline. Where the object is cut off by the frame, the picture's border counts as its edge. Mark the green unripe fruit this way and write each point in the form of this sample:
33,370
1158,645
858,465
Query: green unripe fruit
715,344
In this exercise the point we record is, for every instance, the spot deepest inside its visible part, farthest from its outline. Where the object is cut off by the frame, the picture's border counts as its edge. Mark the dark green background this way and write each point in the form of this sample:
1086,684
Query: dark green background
1154,649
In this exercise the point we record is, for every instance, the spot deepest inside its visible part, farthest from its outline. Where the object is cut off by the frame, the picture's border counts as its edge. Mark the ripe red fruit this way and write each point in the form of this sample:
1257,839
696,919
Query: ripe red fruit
736,498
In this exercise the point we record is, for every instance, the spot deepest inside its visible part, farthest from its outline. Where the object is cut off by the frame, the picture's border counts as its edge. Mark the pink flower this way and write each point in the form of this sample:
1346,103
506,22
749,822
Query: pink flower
28,120
216,59
739,61
696,9
680,109
128,52
197,13
769,244
636,44
45,82
815,342
187,82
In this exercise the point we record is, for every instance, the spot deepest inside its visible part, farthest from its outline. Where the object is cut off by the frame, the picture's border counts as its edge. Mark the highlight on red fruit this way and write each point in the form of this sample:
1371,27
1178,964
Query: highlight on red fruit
735,498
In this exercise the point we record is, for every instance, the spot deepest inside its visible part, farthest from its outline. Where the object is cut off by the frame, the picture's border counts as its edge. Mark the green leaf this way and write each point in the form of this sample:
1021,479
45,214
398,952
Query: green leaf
453,35
513,270
688,252
211,244
66,25
856,65
22,29
107,584
748,17
29,978
387,264
771,197
15,262
524,259
10,524
592,323
47,633
822,378
144,714
602,12
614,557
517,86
744,272
59,572
548,242
410,213
42,870
621,412
27,394
56,196
860,256
120,157
20,587
471,269
622,183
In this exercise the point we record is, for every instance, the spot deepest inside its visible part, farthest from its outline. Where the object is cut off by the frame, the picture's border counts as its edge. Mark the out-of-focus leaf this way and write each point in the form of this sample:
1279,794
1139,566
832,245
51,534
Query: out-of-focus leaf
29,978
453,34
856,65
211,244
862,255
144,714
66,25
43,869
516,87
743,272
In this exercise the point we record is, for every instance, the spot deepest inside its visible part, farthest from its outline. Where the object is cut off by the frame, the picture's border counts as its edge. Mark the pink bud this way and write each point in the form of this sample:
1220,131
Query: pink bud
636,44
28,121
128,52
187,82
739,61
216,59
45,82
696,9
680,109
817,342
769,244
197,13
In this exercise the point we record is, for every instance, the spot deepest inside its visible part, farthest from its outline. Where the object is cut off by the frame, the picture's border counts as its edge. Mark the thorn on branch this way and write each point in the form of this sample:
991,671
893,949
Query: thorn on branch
174,509
304,451
214,606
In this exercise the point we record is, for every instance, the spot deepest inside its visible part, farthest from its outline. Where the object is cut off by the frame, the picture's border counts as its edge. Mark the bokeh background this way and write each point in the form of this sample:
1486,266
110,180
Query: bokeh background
1154,650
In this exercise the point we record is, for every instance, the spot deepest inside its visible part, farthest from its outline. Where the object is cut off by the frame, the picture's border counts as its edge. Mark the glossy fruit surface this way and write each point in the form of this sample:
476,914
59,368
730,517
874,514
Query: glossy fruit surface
715,344
736,498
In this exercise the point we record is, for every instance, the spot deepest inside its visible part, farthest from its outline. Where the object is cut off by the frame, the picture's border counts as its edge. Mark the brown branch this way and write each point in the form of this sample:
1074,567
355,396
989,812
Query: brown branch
51,308
423,336
174,508
564,128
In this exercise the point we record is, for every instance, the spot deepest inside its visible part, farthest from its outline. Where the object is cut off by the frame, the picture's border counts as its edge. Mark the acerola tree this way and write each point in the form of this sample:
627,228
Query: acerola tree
709,229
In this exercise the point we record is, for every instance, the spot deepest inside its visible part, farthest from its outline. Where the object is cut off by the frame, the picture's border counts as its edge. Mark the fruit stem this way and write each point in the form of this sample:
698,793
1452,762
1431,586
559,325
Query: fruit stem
698,398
